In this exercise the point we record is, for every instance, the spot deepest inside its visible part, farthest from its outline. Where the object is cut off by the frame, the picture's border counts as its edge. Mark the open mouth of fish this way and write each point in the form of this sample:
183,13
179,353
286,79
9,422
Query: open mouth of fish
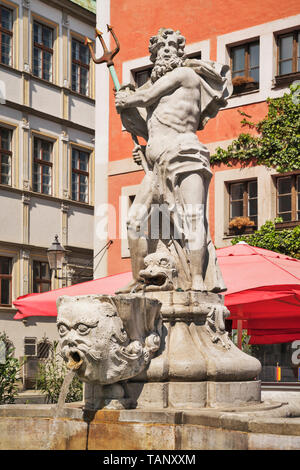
158,279
74,360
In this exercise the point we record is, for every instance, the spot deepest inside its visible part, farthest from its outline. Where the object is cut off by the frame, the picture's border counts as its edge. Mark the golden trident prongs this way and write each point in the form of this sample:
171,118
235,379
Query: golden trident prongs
108,58
107,55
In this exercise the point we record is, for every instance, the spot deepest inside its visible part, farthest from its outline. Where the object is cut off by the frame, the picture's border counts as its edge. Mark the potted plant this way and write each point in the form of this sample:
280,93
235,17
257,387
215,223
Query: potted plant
240,225
242,84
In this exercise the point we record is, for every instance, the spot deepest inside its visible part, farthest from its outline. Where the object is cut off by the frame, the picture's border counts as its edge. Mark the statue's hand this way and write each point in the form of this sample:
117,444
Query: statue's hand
137,153
121,99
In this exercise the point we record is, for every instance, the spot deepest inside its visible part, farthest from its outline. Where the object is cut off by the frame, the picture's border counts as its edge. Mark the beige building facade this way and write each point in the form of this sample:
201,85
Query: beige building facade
46,154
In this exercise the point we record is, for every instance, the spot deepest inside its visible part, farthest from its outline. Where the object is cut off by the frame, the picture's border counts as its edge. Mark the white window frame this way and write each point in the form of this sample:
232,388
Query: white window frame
266,34
126,193
266,191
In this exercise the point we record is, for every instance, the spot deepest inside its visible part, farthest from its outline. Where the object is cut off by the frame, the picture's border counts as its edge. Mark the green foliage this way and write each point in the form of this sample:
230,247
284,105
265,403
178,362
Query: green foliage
278,141
51,376
285,241
8,374
247,348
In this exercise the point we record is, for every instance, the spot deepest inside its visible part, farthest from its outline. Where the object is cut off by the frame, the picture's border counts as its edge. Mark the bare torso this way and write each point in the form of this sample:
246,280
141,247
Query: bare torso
173,106
175,116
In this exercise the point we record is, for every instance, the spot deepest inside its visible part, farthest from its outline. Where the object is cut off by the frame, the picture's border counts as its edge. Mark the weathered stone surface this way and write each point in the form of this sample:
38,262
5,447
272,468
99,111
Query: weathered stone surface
148,394
110,436
108,339
185,395
247,427
42,434
234,393
208,438
273,442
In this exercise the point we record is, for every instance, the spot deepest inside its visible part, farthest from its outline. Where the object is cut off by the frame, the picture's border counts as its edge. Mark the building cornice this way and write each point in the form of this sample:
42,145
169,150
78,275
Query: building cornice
74,10
48,117
35,249
31,194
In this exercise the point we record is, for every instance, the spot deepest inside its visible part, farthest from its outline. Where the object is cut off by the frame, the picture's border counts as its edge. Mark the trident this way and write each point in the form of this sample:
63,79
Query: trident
108,58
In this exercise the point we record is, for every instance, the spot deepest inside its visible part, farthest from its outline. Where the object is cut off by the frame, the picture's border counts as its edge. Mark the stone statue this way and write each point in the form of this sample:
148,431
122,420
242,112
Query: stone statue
163,342
180,97
107,339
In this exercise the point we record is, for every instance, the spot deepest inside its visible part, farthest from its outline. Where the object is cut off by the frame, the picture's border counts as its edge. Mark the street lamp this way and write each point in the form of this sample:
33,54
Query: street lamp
56,256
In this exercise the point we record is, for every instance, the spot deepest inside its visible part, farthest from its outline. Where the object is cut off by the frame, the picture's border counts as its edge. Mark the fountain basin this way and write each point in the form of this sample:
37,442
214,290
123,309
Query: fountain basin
268,426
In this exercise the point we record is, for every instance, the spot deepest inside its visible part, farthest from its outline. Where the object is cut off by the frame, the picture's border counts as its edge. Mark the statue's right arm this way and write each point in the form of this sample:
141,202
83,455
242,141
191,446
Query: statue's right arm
146,97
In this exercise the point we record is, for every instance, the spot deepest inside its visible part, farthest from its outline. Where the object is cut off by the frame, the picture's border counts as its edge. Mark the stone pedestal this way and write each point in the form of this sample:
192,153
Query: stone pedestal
193,395
195,346
196,366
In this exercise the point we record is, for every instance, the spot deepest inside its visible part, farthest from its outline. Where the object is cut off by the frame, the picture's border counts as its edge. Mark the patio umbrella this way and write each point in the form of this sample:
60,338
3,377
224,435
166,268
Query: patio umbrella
44,304
262,288
263,291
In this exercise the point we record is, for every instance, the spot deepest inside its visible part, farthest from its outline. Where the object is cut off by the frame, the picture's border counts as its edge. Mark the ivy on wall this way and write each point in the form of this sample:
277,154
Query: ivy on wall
286,241
278,141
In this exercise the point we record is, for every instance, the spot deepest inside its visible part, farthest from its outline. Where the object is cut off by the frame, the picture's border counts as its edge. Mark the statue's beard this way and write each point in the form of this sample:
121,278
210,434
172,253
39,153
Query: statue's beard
162,66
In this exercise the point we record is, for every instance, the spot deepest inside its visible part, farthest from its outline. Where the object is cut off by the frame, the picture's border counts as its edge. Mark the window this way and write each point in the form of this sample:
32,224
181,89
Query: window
6,36
42,51
243,200
245,66
37,349
5,156
80,67
43,348
29,346
42,166
80,175
194,55
5,281
142,76
289,53
41,277
288,198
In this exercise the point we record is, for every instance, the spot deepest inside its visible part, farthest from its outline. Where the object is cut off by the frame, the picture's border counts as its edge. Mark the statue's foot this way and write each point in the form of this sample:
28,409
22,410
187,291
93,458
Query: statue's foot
198,283
132,286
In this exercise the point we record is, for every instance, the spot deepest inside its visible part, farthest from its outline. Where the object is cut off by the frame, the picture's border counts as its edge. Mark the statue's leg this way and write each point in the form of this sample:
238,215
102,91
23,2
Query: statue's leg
193,194
137,225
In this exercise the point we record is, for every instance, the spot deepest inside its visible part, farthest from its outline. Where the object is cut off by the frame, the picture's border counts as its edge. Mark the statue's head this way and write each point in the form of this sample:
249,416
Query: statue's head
166,43
167,51
95,343
160,270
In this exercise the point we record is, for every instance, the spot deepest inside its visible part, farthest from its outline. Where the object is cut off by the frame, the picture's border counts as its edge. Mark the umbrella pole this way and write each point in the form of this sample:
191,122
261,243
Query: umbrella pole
239,329
239,333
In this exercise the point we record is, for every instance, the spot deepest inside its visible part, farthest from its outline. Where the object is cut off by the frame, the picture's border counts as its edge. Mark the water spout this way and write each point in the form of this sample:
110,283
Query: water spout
63,393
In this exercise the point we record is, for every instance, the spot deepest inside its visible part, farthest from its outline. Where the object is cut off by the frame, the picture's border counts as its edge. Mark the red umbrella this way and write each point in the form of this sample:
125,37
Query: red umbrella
261,285
263,288
44,304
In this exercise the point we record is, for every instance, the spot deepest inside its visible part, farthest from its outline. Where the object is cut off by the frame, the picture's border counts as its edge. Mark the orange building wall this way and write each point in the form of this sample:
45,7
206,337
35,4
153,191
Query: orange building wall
134,22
